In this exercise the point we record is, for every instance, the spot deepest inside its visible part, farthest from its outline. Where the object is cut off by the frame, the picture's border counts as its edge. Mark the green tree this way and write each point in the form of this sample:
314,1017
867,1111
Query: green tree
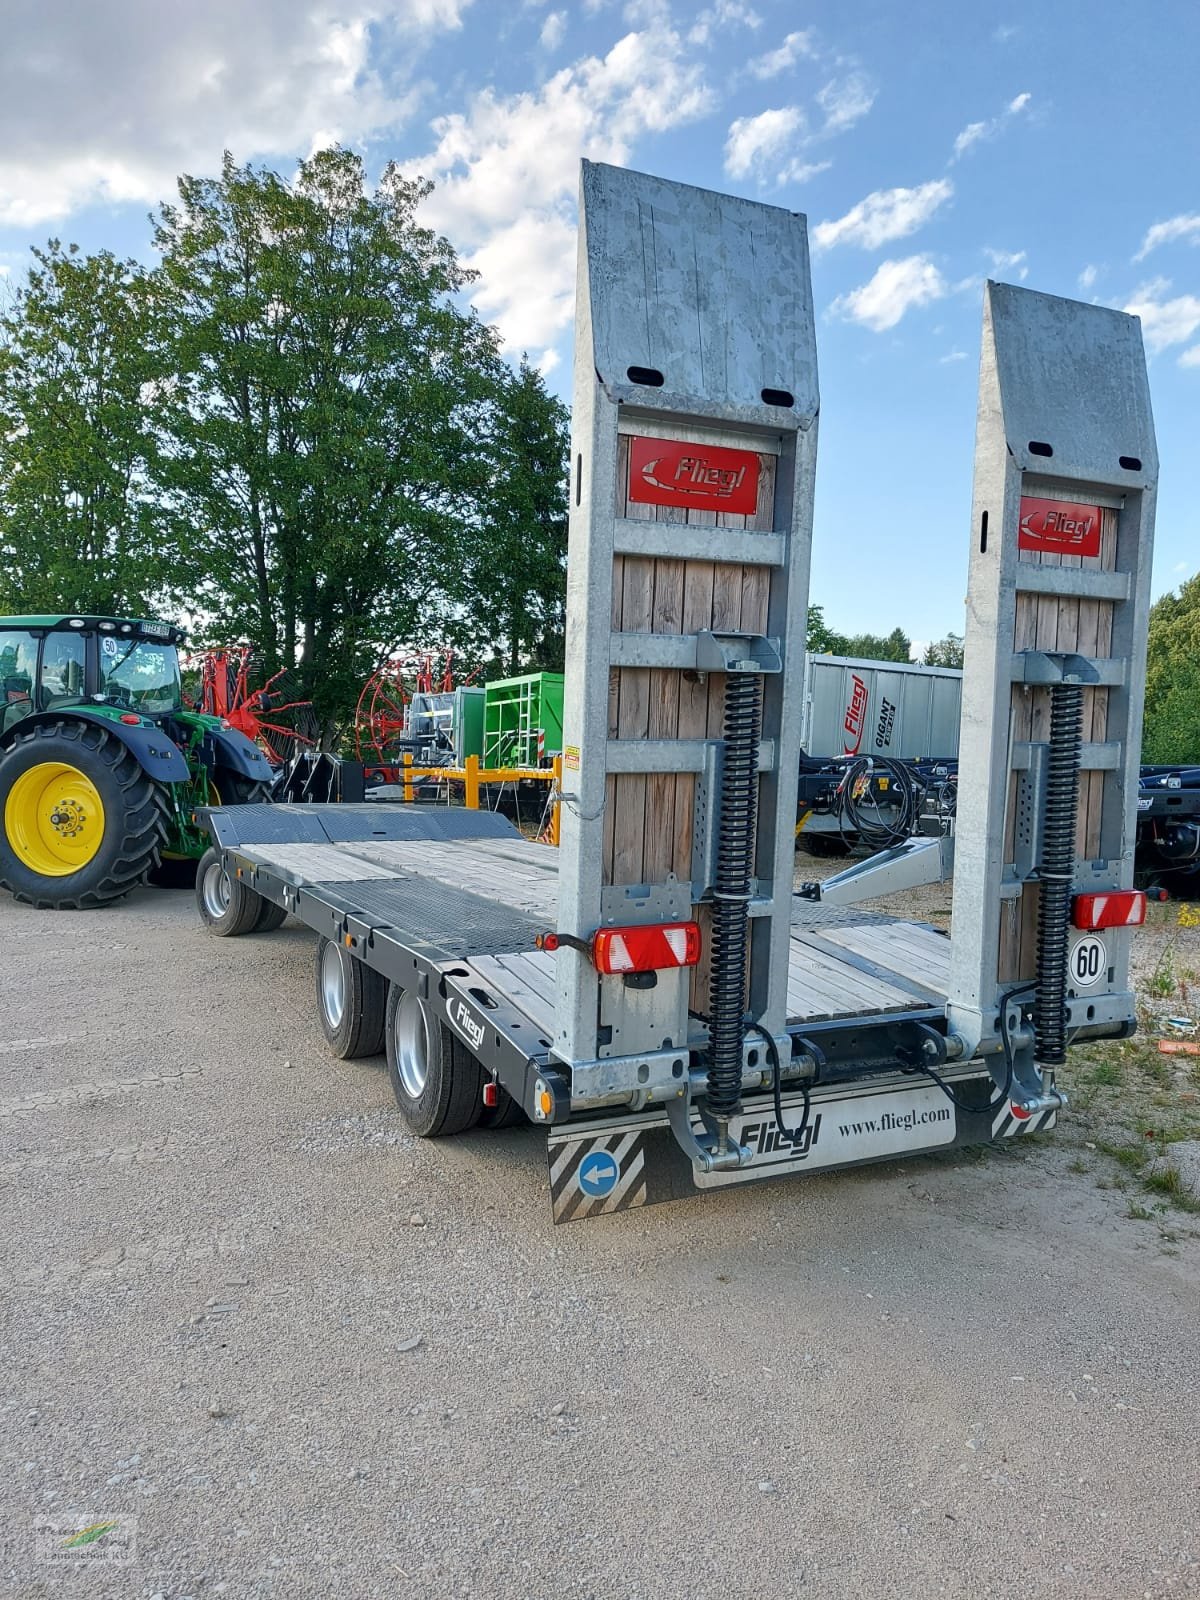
947,652
328,428
895,646
79,378
513,559
821,639
1171,733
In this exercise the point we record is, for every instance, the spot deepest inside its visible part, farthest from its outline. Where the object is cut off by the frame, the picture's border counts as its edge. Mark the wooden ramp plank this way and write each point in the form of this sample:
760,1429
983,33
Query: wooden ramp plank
920,956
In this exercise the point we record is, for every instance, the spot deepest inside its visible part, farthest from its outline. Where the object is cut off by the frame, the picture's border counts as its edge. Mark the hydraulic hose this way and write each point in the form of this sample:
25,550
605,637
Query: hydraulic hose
731,895
1057,873
861,815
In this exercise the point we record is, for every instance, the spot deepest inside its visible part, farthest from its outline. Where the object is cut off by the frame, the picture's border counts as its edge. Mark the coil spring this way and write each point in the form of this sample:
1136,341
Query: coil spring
734,870
1057,872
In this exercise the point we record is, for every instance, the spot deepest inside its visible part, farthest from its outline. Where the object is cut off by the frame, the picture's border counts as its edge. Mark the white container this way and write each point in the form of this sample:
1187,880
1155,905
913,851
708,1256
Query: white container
880,708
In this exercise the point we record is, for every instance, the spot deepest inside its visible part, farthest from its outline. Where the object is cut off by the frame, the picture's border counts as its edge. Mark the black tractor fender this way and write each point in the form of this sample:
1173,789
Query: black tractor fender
233,751
159,757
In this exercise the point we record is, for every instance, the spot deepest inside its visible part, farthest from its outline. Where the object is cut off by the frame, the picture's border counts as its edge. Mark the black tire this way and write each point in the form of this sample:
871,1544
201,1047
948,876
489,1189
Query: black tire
507,1114
136,817
351,1002
233,789
822,844
227,906
174,872
438,1084
270,917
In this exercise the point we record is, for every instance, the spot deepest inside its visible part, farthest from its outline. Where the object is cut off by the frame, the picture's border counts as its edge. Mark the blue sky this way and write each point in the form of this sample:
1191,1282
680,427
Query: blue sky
930,144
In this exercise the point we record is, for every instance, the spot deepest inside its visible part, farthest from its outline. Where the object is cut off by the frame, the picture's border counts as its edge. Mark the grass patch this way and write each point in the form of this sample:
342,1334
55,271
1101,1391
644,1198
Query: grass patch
1167,1182
1163,980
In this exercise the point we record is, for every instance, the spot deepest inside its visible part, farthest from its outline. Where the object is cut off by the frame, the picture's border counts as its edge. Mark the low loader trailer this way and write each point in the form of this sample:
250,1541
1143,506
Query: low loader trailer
652,992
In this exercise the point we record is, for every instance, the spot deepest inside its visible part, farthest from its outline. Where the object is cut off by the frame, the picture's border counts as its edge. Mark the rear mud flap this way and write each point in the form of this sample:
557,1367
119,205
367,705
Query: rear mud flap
618,1163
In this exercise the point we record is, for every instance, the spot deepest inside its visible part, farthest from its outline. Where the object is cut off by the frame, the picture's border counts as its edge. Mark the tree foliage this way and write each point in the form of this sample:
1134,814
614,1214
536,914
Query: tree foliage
823,640
1171,732
290,429
947,652
329,419
79,357
514,562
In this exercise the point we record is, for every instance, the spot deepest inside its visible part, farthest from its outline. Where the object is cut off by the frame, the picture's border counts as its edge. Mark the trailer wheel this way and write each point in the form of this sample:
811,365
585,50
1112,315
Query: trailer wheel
507,1114
351,1002
437,1084
227,906
270,916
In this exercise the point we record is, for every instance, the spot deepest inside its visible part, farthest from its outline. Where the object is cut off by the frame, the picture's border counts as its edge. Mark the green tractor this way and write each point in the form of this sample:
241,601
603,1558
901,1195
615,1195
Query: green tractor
102,770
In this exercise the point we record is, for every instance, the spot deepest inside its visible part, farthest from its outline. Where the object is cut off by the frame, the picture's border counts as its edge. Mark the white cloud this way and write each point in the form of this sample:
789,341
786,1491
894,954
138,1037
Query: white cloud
553,29
845,101
795,46
1190,358
883,216
952,355
897,287
1164,322
976,132
1185,226
756,145
1012,261
507,167
141,93
724,14
1087,278
534,250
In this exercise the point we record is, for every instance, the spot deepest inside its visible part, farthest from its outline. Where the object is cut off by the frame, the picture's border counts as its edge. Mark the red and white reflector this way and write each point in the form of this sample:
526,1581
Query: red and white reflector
1124,908
649,949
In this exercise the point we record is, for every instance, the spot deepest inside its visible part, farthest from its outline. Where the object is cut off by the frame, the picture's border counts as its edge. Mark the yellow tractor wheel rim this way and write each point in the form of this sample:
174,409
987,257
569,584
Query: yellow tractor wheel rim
54,819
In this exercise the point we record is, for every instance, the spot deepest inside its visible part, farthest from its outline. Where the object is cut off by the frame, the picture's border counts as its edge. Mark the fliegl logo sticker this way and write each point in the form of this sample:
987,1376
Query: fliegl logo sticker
674,472
466,1022
856,716
1060,526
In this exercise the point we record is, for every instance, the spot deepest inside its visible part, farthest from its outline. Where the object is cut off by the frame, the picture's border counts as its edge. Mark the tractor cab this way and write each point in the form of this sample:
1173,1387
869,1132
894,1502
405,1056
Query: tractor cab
48,662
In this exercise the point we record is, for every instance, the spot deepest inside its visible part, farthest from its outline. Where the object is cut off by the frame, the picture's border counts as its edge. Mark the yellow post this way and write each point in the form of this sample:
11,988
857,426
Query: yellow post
408,787
554,816
471,770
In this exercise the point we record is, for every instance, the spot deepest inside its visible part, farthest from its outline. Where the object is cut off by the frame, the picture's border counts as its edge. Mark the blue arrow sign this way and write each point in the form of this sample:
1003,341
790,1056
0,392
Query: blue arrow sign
598,1173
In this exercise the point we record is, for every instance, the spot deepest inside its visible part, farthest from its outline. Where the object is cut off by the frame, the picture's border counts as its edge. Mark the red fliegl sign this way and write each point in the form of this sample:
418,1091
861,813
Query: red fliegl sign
673,472
1059,525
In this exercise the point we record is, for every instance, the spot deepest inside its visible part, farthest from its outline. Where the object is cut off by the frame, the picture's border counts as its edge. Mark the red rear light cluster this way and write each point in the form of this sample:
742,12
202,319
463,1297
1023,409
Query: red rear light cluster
647,949
1124,908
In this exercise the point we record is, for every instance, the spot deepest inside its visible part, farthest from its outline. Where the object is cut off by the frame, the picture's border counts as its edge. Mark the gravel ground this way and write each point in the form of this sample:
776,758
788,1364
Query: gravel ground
312,1356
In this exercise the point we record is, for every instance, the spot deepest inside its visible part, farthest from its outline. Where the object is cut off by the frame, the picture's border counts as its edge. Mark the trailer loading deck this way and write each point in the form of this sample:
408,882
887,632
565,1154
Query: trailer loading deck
653,992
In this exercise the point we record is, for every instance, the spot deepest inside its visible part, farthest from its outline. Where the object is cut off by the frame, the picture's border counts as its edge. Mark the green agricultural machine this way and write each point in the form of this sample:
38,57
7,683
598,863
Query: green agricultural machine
102,770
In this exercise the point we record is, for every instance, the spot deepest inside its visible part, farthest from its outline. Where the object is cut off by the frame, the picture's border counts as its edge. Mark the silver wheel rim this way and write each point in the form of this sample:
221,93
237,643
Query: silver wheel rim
412,1045
333,984
216,890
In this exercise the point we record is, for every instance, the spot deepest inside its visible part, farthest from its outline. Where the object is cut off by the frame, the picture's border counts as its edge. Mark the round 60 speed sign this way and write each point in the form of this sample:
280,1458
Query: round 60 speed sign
1089,961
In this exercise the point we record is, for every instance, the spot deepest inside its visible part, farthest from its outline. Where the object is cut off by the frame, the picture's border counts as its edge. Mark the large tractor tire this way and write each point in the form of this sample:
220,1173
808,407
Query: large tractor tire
82,824
232,789
179,872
